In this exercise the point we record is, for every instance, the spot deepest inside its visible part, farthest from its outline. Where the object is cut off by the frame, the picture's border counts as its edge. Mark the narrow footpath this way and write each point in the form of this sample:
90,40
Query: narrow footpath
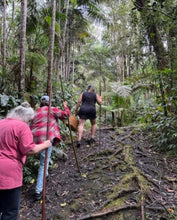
123,178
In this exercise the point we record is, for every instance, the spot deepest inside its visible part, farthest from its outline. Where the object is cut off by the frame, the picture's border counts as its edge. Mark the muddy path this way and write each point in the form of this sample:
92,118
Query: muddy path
123,178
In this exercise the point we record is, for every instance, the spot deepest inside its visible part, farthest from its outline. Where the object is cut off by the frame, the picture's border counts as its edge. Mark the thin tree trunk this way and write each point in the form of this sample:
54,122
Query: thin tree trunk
49,92
68,55
4,37
12,21
22,48
122,65
73,66
30,78
66,22
51,49
62,39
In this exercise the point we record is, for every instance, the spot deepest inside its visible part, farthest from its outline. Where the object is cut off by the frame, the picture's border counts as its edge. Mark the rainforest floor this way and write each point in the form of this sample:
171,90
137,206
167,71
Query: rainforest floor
120,178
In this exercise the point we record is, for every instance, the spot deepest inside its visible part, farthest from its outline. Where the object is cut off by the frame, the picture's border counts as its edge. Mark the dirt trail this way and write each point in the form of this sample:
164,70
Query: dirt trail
122,179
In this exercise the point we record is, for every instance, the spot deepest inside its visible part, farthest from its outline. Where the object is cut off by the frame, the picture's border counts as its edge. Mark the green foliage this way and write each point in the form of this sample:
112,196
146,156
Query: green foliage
121,90
7,103
30,168
164,133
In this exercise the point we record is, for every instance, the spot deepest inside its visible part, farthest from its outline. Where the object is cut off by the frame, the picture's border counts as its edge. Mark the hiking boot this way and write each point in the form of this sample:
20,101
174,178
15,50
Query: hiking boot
48,178
38,196
78,144
92,141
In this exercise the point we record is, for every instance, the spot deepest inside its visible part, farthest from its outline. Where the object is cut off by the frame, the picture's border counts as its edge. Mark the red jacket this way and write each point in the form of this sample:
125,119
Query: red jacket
39,124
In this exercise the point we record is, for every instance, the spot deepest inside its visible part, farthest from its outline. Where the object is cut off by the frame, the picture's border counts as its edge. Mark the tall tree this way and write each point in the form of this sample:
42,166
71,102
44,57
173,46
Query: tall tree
49,92
51,49
4,37
22,48
155,40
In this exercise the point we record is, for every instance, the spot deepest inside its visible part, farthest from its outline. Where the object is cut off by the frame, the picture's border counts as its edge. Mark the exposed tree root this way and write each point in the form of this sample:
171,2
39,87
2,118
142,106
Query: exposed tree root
113,165
142,198
160,209
109,211
149,179
120,194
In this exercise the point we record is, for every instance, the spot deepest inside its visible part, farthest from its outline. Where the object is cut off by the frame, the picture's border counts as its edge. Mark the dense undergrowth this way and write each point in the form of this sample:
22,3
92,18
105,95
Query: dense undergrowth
118,111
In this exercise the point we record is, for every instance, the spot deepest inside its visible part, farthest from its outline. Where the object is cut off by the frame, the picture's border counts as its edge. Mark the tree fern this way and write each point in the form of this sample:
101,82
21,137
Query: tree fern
121,90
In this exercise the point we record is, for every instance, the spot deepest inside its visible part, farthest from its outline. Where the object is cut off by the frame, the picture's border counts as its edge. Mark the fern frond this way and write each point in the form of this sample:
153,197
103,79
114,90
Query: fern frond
121,90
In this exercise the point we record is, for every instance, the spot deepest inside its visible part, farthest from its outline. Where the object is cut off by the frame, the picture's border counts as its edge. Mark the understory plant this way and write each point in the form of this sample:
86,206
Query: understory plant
164,133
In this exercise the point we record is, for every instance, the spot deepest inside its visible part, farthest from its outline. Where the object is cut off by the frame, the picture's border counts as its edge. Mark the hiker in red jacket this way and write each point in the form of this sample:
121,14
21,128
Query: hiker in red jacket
39,130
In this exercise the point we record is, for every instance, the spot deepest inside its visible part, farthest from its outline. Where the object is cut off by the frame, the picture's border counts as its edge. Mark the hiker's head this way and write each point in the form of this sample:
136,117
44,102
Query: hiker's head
23,112
90,88
44,101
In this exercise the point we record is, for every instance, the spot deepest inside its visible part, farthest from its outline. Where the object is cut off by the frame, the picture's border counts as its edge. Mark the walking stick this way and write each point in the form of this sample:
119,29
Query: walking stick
100,115
70,130
46,156
49,91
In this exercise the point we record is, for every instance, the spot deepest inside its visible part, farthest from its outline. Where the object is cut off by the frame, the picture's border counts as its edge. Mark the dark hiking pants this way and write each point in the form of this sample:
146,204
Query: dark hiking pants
10,203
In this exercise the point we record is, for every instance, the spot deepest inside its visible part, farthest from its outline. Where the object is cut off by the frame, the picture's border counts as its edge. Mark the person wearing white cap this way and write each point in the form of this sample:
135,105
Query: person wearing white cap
39,130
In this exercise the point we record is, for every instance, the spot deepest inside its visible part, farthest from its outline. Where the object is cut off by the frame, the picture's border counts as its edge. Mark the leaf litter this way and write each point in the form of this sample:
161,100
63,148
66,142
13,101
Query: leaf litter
122,178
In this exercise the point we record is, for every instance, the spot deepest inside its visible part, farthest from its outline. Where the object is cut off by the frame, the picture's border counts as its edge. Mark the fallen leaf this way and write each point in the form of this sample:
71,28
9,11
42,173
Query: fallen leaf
170,178
84,175
171,210
32,181
63,204
170,190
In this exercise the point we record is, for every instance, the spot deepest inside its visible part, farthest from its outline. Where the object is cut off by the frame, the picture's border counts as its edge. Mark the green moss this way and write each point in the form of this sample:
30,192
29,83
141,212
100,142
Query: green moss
74,206
119,131
117,202
128,154
135,131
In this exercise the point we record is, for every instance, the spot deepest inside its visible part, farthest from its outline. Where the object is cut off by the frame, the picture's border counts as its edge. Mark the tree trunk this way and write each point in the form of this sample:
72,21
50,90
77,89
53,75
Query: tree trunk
172,52
12,21
4,38
68,58
62,39
73,66
52,39
22,48
155,41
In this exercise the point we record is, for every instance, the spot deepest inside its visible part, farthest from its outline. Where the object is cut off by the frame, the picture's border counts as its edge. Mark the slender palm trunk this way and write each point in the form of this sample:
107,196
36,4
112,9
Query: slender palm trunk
4,38
22,48
62,40
49,92
51,49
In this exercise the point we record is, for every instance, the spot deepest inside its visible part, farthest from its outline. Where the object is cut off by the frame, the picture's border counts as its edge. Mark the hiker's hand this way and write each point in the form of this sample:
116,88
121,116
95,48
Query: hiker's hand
75,113
47,143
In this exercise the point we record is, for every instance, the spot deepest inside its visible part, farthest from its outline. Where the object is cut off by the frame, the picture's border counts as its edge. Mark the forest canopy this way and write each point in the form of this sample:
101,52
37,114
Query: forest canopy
130,46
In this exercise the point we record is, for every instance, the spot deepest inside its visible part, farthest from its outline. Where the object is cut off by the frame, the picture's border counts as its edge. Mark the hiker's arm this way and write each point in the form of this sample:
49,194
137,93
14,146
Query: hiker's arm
39,147
78,104
99,99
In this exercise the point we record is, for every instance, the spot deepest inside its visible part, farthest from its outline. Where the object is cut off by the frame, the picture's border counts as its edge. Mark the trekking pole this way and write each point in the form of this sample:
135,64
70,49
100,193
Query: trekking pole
70,130
46,156
100,115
